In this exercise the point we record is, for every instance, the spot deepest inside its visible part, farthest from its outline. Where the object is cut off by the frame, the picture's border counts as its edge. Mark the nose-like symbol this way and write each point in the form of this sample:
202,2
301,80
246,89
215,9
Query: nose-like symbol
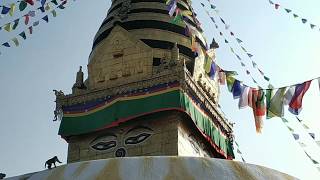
121,152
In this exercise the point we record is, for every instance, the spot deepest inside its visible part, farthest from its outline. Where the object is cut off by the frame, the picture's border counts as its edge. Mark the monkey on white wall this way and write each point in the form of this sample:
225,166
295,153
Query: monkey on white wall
51,161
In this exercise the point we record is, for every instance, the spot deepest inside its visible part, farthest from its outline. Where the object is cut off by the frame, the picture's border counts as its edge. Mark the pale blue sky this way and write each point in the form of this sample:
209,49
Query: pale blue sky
284,48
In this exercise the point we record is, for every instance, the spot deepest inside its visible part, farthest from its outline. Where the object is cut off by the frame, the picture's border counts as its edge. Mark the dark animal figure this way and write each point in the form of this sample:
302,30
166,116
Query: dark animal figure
2,176
52,161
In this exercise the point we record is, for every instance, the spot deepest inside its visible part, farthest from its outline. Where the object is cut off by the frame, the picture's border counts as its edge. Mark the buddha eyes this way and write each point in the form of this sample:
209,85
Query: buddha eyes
137,139
104,145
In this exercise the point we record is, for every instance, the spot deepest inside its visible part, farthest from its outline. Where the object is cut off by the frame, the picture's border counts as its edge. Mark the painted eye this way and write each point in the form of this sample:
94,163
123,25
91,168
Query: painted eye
137,139
104,145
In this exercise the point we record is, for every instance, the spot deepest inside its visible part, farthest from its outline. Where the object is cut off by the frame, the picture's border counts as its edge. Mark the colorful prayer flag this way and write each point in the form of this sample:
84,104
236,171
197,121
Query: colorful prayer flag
304,21
12,9
26,20
15,41
288,10
36,23
22,5
212,71
230,81
239,40
16,22
23,35
313,136
46,18
243,102
30,2
312,26
222,77
257,103
172,7
32,13
207,64
295,104
5,10
7,27
269,95
236,89
56,3
6,44
296,136
288,95
276,105
43,2
30,29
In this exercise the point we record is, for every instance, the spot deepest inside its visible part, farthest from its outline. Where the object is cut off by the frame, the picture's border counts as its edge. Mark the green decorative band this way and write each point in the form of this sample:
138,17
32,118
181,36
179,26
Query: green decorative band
127,108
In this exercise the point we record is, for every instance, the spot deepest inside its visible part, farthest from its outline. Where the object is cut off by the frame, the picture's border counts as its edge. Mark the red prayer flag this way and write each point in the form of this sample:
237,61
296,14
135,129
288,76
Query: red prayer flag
295,104
30,2
277,6
30,29
26,21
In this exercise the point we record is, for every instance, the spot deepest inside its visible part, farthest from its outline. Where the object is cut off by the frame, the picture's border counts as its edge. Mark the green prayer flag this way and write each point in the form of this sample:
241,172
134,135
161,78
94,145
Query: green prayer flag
22,5
54,2
23,35
269,94
276,107
207,64
177,19
230,81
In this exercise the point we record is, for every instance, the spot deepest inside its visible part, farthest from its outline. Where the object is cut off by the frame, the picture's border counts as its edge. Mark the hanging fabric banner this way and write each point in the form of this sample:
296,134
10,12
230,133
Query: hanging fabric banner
295,104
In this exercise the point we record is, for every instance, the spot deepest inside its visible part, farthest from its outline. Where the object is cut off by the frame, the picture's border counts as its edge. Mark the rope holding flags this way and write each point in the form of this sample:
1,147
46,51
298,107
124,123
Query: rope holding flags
9,9
303,146
12,25
239,152
262,101
239,42
294,15
15,41
308,130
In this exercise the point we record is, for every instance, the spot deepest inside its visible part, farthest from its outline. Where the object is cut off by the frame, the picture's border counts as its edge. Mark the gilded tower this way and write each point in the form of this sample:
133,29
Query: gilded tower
147,92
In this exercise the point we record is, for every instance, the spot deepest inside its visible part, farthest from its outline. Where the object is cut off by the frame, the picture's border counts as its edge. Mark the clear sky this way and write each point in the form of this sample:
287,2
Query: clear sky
284,48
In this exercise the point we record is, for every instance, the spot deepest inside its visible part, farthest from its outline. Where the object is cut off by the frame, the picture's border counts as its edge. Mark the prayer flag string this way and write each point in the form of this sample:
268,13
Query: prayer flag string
29,30
12,25
303,20
303,145
248,55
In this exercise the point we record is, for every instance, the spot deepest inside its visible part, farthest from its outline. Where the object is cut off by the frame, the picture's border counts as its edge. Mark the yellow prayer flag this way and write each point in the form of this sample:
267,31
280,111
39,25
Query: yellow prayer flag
12,9
7,27
54,13
15,41
186,13
47,8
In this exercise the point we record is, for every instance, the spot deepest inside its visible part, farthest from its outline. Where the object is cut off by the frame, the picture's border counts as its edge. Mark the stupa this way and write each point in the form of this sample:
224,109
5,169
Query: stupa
147,93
